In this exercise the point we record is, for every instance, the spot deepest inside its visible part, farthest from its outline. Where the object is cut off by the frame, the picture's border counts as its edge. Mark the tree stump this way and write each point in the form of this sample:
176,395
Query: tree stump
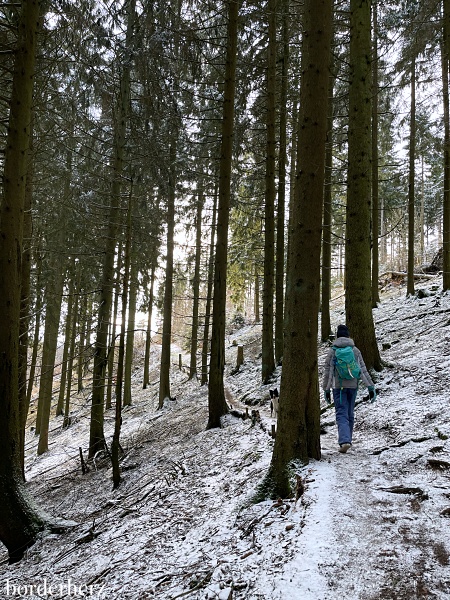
240,356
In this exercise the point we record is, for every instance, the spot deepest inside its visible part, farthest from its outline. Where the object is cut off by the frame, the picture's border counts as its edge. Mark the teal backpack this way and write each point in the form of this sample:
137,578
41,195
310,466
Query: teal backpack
345,363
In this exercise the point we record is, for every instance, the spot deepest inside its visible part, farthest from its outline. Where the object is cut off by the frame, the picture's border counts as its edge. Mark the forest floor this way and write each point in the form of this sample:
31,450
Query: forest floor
372,524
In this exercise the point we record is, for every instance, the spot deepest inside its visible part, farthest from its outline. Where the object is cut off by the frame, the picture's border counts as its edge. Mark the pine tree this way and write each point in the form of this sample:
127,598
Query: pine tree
268,356
216,393
298,436
358,294
20,520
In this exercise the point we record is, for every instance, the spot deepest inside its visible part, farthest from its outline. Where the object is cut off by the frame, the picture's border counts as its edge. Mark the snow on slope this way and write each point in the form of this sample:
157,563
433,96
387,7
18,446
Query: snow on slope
180,525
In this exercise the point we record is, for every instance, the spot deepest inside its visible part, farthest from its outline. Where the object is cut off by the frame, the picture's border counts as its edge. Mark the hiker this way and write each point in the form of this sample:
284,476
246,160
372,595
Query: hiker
343,368
274,402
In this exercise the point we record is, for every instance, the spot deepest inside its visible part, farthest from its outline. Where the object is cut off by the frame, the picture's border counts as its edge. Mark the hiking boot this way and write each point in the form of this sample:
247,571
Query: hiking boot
344,447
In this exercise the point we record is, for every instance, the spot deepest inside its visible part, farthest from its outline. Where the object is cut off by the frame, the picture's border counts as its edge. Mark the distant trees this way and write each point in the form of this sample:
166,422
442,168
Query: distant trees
167,159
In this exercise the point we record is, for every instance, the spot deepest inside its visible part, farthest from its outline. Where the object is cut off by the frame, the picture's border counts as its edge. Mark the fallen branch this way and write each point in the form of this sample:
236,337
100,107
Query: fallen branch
401,444
199,585
257,520
400,489
435,463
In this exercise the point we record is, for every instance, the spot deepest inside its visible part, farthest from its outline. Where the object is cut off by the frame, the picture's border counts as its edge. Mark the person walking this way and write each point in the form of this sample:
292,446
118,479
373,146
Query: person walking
344,366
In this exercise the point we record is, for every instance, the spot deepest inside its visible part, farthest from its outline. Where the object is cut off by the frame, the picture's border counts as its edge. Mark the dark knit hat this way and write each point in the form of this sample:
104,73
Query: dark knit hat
342,331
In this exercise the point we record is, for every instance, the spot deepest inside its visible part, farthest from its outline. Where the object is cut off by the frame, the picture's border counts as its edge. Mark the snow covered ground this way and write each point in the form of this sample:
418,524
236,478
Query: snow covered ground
371,524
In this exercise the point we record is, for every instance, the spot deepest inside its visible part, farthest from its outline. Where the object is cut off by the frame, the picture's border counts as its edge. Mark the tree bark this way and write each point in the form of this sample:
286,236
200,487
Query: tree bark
268,357
298,435
148,337
327,221
120,362
205,344
53,293
97,436
131,327
281,205
71,353
164,377
20,521
411,184
67,341
34,354
82,345
112,367
358,297
216,394
25,289
445,84
196,286
375,194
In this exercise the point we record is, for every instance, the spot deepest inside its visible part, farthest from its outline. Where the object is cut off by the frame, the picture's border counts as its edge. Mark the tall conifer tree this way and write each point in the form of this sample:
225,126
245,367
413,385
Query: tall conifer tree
298,436
358,295
216,393
19,519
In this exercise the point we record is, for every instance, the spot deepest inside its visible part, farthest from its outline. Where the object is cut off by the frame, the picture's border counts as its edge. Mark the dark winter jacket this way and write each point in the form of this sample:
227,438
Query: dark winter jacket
330,376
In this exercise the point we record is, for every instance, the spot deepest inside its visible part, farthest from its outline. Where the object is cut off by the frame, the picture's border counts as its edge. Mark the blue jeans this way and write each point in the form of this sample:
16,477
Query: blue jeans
344,404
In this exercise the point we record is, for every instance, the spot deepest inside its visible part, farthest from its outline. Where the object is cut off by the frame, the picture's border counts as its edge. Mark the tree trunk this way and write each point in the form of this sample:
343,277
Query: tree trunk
19,519
257,295
422,212
268,357
67,341
112,367
54,291
164,377
216,393
82,344
281,206
298,435
382,243
375,195
327,220
358,297
205,344
446,209
25,289
34,354
129,350
72,336
148,337
97,436
120,363
196,286
411,184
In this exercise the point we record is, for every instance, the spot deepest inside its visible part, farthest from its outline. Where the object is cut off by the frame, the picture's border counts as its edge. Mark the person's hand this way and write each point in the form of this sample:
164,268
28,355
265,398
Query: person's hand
328,396
372,394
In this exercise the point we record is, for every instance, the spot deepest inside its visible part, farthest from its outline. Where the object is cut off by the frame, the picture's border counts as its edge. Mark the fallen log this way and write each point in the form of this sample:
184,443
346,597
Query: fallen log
400,489
403,275
435,463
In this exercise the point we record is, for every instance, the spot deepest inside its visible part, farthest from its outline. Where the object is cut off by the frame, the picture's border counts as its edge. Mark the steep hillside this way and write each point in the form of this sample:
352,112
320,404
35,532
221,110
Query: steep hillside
371,524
